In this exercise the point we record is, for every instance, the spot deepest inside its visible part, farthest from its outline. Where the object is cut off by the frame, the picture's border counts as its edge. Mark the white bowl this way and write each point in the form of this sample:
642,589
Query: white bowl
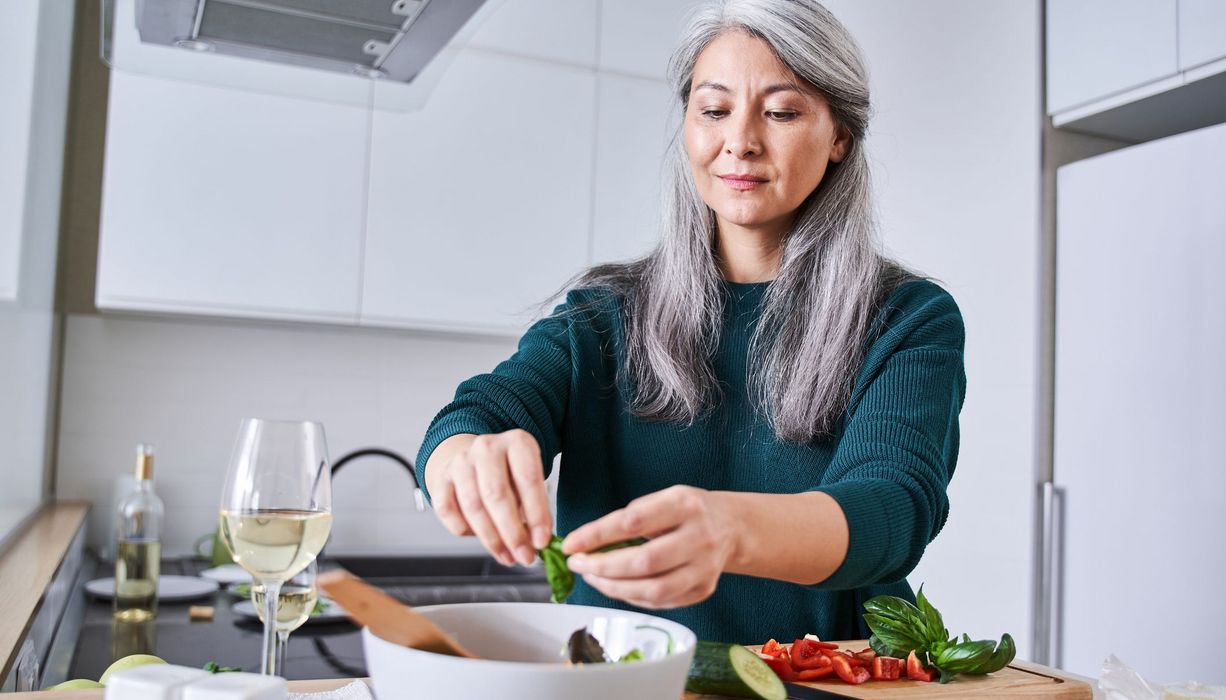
520,648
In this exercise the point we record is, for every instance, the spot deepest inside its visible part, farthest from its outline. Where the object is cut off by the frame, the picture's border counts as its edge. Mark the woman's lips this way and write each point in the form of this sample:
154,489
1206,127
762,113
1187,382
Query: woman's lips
742,183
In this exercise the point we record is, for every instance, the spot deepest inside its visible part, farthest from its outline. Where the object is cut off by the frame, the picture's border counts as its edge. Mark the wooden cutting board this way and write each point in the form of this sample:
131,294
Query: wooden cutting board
1017,680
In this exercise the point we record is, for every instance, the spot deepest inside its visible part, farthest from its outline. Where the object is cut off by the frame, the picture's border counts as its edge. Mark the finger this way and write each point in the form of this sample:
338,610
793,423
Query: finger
528,476
468,496
448,510
657,557
501,503
645,517
654,592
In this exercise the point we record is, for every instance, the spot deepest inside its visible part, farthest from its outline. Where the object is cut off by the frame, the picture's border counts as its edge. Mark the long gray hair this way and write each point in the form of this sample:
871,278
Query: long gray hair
809,342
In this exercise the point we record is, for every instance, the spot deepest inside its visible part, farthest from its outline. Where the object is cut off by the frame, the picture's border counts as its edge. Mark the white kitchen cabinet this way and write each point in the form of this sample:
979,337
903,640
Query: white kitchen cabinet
633,130
480,202
228,202
1139,416
1099,47
18,32
1202,32
638,36
553,30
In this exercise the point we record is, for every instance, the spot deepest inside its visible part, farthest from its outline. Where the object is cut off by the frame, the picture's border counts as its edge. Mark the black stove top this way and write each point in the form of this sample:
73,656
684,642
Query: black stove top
320,649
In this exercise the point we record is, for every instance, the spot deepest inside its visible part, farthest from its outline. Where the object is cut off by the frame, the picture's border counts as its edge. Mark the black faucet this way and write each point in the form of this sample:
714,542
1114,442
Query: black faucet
418,500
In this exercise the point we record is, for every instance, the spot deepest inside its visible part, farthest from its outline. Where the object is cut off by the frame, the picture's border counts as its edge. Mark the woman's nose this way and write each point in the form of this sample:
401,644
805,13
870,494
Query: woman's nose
741,140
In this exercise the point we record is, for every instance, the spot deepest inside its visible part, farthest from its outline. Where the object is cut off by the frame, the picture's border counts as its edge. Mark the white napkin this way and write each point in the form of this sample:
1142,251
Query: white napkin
357,690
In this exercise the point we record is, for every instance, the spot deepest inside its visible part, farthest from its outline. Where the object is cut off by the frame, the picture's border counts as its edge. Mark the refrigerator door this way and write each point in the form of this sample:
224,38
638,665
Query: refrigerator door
1140,451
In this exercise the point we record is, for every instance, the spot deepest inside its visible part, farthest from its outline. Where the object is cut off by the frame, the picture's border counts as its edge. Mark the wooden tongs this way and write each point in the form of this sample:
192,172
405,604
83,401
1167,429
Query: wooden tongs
387,618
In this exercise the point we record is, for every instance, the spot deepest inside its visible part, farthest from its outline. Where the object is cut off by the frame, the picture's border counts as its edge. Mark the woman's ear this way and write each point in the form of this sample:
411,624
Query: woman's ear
842,144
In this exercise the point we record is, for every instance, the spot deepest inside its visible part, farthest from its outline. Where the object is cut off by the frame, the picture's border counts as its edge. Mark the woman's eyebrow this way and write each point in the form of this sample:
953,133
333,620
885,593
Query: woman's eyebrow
769,90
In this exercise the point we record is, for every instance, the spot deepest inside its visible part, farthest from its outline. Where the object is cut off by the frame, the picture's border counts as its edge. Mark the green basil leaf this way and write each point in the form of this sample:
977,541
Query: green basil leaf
883,649
894,634
934,626
893,607
964,657
1005,651
557,573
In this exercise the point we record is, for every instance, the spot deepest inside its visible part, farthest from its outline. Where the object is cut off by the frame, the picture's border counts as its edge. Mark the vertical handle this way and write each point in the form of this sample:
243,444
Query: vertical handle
1047,603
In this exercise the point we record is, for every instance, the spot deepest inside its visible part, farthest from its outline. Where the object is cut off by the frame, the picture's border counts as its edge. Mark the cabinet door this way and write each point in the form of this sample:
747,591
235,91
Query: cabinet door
632,134
1139,415
1099,47
18,32
1202,32
226,202
480,202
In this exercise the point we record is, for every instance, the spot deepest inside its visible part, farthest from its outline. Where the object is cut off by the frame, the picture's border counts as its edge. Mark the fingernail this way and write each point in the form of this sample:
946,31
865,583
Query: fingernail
577,563
525,555
541,537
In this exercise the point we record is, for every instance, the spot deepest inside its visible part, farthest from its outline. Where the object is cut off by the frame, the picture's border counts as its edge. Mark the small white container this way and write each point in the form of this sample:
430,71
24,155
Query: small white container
152,682
236,686
520,645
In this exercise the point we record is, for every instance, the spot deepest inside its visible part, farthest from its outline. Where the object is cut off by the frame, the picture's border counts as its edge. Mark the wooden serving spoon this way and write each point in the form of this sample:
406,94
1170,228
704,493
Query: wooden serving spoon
387,618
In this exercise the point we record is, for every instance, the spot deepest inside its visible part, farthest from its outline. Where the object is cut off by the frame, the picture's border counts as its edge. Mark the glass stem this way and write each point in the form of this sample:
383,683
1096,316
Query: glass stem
268,661
282,643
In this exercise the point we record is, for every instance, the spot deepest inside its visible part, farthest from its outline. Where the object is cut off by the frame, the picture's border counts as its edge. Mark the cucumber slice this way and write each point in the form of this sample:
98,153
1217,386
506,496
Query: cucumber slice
733,670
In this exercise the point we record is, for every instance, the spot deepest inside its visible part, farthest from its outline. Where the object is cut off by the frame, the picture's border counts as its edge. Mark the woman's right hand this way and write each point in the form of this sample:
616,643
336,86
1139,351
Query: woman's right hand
493,486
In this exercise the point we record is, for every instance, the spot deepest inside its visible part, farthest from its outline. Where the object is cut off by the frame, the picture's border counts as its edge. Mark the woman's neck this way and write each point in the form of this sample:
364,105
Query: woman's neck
748,255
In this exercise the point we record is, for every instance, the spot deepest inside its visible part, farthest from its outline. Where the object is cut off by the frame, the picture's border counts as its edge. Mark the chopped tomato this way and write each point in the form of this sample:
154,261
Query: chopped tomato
807,654
885,668
813,674
916,670
781,666
844,669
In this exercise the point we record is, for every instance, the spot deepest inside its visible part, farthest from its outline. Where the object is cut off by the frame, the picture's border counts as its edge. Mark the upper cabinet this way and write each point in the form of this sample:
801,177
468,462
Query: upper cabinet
1099,47
228,202
480,203
535,152
18,33
1202,32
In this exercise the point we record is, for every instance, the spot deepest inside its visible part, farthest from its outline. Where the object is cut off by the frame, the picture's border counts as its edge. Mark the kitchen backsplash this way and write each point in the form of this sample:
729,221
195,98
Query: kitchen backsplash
183,386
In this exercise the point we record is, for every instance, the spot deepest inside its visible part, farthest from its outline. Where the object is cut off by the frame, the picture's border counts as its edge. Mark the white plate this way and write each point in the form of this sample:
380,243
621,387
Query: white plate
170,588
333,613
229,573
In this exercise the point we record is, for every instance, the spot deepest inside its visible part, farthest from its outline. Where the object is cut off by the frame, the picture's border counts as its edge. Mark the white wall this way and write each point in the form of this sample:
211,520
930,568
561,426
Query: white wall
955,150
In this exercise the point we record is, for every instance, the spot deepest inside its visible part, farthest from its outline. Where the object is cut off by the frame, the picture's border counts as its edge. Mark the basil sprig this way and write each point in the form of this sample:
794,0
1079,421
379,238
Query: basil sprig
900,628
557,572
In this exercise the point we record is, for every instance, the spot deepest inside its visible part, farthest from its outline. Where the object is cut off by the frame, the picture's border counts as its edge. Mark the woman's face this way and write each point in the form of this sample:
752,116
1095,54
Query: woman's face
758,138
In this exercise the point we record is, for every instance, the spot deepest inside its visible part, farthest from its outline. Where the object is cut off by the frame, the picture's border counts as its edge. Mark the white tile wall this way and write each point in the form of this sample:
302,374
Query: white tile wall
183,385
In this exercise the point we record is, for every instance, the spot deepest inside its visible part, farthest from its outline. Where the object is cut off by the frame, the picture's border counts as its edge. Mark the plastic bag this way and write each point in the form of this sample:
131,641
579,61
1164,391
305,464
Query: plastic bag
1120,682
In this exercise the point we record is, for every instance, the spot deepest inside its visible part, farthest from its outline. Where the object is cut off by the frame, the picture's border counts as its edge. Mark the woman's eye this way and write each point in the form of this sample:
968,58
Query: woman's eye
714,113
782,116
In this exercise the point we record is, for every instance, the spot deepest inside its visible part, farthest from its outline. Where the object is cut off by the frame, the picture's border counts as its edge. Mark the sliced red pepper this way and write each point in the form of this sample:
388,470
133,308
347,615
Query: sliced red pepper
773,648
844,669
781,666
916,670
813,674
866,655
886,668
807,654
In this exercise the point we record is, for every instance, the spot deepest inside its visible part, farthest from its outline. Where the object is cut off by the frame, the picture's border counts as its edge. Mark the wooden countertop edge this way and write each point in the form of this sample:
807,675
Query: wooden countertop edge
1050,672
27,566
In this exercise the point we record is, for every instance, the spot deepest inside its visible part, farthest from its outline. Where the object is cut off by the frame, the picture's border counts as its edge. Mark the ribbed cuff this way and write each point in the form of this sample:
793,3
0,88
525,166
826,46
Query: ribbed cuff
876,511
454,424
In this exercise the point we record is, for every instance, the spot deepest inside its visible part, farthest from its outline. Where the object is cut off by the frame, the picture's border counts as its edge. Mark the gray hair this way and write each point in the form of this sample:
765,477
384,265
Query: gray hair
810,339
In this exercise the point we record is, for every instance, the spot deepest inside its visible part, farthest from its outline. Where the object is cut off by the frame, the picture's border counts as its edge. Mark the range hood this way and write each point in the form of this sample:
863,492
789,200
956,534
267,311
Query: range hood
391,39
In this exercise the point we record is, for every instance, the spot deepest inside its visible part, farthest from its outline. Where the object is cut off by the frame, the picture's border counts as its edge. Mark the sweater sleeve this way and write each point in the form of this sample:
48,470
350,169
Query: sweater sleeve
530,391
897,453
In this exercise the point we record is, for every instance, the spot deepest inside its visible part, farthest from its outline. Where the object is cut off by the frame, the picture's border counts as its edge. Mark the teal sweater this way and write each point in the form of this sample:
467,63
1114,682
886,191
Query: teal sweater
887,466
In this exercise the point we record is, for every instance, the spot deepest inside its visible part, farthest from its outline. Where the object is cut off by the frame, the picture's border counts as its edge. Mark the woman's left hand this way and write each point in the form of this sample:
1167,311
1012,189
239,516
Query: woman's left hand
691,538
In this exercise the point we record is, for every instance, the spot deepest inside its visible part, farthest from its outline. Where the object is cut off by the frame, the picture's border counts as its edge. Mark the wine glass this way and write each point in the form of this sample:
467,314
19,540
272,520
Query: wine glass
276,508
295,605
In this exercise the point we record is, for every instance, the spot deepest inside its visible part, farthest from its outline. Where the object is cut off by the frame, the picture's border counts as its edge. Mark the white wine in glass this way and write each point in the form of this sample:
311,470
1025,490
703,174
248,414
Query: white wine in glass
295,605
276,508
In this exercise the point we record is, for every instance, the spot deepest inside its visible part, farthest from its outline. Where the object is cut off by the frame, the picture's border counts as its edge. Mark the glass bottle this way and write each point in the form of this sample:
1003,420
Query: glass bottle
139,549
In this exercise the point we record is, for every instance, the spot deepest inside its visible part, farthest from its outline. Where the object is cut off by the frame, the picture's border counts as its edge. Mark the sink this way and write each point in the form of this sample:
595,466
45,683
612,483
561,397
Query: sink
433,580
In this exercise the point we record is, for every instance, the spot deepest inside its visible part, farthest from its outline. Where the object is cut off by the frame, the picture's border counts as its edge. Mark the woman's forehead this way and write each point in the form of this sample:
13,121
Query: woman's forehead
735,61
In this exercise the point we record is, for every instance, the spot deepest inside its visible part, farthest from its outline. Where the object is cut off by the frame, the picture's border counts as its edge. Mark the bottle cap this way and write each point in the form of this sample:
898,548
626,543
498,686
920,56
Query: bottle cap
144,462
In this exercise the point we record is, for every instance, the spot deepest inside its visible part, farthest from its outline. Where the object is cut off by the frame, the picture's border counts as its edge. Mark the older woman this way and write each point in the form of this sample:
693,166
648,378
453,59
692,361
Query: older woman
766,398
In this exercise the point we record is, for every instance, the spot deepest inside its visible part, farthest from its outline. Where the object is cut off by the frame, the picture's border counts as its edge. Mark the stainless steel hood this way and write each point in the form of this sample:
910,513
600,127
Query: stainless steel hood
392,39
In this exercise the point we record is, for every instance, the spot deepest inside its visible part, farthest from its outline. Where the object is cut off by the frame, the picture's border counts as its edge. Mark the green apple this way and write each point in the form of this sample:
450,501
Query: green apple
128,662
75,684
